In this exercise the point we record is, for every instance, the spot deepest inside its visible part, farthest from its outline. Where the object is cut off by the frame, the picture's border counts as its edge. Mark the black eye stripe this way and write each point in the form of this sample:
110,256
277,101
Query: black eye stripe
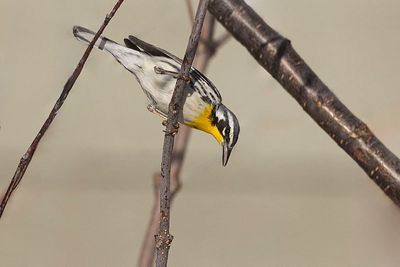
229,132
222,125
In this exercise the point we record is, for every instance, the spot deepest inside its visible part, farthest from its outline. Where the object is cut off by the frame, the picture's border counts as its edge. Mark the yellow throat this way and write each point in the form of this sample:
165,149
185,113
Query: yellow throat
203,122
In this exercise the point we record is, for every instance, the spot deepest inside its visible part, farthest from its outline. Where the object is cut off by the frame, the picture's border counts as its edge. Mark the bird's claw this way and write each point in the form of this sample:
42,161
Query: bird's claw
185,78
159,70
177,75
173,131
151,108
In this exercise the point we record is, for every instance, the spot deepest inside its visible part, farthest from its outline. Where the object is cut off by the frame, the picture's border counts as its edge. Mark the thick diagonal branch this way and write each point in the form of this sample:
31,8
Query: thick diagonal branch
277,56
27,157
164,238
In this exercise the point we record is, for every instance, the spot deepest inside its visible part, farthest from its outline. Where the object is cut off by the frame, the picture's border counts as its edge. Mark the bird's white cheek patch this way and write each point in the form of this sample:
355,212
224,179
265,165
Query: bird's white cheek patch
231,123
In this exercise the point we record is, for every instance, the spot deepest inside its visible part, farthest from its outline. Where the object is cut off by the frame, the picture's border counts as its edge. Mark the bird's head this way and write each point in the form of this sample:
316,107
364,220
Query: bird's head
221,123
228,127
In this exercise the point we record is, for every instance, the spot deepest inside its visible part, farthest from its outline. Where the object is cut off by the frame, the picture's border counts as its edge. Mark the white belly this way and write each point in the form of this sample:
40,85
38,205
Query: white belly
159,88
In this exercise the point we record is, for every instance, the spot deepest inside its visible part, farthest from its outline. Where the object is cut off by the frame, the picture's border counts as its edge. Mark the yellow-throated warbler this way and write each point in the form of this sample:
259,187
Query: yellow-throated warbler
156,70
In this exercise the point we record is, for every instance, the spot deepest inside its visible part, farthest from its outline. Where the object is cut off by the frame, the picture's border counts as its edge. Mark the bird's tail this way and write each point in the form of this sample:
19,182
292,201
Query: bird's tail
86,36
131,59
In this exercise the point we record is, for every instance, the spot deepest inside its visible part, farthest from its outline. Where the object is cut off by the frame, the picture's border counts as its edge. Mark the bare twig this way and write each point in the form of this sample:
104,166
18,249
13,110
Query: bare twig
27,157
223,39
277,56
203,55
189,7
164,239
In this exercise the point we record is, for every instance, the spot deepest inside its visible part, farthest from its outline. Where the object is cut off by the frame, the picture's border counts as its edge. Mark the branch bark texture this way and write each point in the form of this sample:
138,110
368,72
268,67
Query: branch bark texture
203,55
164,238
27,157
276,54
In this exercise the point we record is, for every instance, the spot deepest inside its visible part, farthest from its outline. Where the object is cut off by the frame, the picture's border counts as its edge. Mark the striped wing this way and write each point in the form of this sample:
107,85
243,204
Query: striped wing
200,83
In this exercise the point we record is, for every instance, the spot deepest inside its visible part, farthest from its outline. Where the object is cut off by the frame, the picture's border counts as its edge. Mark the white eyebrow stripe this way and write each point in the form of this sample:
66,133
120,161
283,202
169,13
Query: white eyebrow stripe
220,115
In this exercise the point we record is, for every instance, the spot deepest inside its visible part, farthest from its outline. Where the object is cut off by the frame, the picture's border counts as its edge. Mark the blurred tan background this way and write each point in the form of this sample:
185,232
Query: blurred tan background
288,197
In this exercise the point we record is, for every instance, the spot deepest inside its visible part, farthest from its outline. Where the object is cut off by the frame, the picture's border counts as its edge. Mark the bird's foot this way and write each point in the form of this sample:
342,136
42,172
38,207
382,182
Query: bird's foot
154,110
187,79
176,75
174,129
159,70
173,132
151,108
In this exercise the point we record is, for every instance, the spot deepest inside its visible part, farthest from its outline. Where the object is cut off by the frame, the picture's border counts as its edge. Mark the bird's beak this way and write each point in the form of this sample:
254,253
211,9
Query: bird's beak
226,152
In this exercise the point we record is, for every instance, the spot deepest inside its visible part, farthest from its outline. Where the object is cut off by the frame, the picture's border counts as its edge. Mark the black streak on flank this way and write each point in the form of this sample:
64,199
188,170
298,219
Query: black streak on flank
213,116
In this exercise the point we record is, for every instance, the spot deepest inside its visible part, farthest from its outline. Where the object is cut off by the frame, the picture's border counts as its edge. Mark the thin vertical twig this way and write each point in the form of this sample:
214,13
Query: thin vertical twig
189,7
164,238
203,55
276,54
223,39
27,157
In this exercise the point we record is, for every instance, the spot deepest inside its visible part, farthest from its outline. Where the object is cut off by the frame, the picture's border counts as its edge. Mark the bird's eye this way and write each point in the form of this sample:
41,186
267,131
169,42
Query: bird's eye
227,131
